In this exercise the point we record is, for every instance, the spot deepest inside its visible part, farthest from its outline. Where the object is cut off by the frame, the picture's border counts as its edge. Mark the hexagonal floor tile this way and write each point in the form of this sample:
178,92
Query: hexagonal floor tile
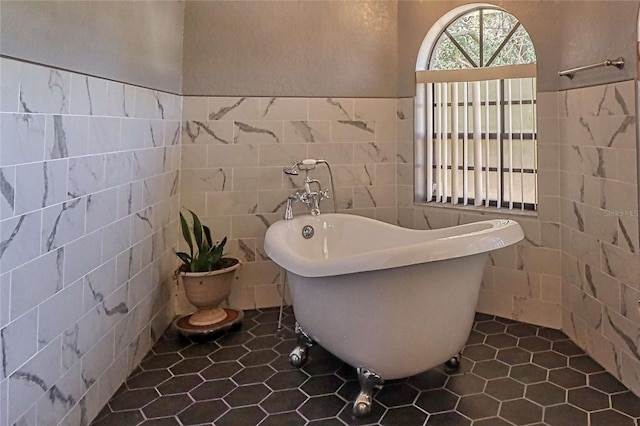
546,394
437,400
521,411
504,389
320,407
565,414
478,406
589,399
509,372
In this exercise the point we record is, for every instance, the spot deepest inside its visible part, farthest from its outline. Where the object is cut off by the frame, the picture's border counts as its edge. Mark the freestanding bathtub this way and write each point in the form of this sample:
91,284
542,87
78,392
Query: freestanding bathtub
390,301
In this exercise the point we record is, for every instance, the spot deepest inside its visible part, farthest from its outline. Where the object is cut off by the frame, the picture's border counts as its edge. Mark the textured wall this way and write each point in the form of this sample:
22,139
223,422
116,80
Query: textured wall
285,48
88,208
613,30
137,42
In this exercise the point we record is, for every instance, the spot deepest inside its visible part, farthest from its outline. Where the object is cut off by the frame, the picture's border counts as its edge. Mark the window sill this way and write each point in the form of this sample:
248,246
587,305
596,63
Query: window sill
482,210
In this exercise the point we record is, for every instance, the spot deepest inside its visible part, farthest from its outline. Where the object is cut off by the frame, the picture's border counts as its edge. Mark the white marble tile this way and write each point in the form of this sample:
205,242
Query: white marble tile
621,332
118,168
9,86
404,108
331,109
171,105
21,138
5,299
44,90
404,132
139,287
82,256
104,135
228,156
35,281
247,179
214,179
353,131
207,132
40,185
132,133
386,131
374,152
143,343
142,225
7,191
617,132
154,134
145,163
120,99
113,377
63,223
620,264
374,196
152,190
305,131
4,402
64,394
20,240
172,132
258,132
354,175
28,418
86,175
228,108
116,238
281,155
148,104
283,109
100,211
537,312
88,95
237,202
66,136
19,342
333,153
59,312
96,360
195,156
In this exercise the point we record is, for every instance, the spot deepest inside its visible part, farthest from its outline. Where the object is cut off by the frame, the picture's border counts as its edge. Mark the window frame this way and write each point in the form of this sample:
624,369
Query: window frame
425,59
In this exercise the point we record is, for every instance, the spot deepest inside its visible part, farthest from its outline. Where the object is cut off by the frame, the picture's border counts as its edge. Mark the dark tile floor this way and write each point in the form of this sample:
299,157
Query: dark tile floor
511,373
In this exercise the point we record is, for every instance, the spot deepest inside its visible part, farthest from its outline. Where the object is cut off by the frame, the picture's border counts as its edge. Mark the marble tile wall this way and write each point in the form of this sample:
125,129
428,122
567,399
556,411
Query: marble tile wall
89,200
233,153
523,281
599,225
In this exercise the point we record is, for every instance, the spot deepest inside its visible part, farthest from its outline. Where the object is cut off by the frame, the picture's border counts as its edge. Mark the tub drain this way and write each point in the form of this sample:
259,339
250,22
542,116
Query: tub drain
307,232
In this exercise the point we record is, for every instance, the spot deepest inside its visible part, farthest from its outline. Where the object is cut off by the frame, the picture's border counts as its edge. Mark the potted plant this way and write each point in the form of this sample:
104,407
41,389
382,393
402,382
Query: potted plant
205,273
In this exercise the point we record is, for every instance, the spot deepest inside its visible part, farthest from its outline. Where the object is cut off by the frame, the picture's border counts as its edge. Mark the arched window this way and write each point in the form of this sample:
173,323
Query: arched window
476,140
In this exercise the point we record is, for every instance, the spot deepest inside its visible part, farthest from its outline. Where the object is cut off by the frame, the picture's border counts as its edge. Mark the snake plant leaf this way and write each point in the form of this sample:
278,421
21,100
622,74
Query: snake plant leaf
186,259
186,233
197,230
207,235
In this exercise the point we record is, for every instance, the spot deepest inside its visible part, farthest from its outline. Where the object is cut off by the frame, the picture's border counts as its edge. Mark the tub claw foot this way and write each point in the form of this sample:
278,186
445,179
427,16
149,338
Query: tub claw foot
453,364
298,355
369,381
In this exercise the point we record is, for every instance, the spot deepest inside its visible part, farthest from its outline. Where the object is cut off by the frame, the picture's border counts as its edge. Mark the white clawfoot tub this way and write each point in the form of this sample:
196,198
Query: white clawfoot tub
390,301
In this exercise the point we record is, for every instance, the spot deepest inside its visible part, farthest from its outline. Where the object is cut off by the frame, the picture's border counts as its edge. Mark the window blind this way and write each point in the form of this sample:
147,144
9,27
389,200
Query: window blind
478,129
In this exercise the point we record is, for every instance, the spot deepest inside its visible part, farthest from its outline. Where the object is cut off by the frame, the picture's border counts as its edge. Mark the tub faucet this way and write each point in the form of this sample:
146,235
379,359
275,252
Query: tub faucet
307,197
